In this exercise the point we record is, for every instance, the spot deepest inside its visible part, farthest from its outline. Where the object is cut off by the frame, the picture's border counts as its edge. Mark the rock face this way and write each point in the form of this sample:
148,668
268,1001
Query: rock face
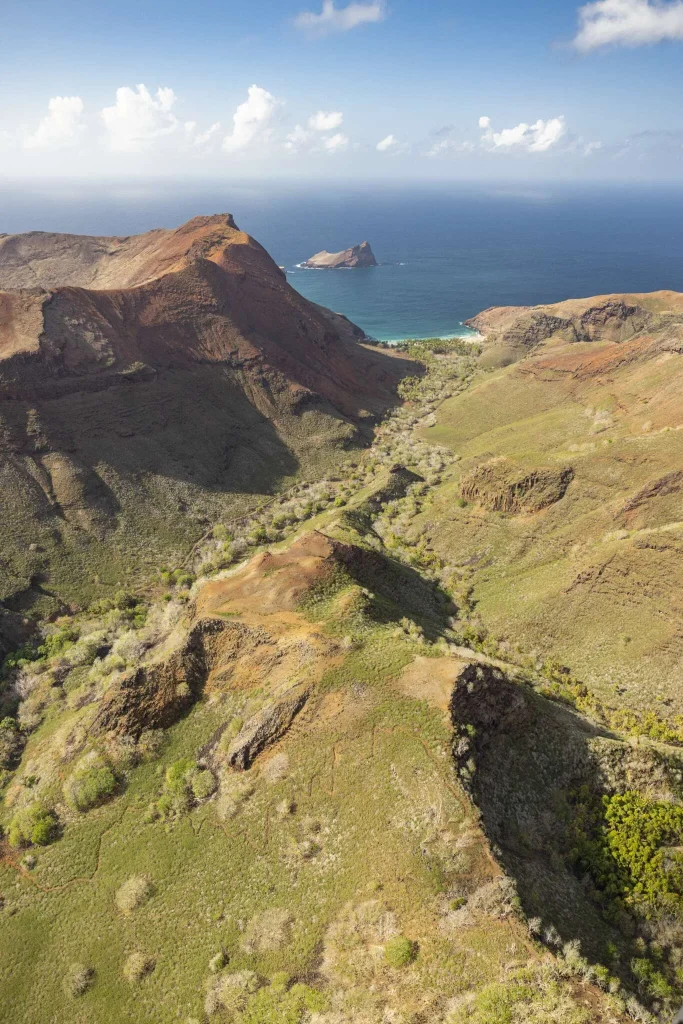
610,318
268,725
500,485
145,380
357,256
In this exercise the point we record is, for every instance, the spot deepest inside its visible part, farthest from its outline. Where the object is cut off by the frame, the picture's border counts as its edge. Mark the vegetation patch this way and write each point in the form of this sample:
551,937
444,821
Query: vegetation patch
630,846
90,784
400,951
34,825
133,894
137,966
78,980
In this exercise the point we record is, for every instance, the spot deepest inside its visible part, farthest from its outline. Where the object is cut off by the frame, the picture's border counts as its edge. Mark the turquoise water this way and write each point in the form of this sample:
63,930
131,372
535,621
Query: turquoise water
445,252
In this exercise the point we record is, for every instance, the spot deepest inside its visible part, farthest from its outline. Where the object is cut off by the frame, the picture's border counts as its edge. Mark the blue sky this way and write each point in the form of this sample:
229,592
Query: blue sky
368,89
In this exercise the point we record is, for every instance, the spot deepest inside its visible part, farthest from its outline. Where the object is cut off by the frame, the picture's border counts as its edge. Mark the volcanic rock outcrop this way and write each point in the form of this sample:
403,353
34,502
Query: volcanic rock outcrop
146,380
357,256
610,318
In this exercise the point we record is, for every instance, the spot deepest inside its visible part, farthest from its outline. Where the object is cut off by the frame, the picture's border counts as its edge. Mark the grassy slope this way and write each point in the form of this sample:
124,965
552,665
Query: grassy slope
372,786
580,580
358,806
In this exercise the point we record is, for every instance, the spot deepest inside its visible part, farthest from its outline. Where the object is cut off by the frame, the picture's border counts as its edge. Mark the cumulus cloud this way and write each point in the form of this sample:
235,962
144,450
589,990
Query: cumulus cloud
335,143
251,120
325,120
628,23
340,19
533,138
138,119
61,127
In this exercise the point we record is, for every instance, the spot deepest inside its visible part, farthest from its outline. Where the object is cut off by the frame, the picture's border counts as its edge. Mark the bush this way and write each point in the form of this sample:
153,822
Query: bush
184,784
57,643
133,893
279,1004
400,951
34,825
203,784
10,743
78,980
231,992
90,784
137,966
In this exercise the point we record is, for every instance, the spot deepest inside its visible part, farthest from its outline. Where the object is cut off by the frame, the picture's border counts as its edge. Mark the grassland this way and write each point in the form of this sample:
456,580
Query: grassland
347,875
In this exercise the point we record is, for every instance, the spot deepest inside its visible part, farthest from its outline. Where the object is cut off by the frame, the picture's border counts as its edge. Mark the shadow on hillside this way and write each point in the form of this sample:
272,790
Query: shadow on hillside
524,759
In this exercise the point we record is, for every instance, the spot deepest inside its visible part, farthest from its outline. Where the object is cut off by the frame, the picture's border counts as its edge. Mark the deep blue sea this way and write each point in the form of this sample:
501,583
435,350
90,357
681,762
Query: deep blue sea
445,252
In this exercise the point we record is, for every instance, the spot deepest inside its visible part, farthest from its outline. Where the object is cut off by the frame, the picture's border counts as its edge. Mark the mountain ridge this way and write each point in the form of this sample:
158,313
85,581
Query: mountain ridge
170,370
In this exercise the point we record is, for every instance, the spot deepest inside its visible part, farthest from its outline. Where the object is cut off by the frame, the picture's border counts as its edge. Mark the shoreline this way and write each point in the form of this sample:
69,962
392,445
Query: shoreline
464,334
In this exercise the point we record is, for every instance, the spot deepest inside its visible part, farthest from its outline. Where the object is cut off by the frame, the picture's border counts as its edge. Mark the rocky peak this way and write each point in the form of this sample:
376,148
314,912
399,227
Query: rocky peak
357,256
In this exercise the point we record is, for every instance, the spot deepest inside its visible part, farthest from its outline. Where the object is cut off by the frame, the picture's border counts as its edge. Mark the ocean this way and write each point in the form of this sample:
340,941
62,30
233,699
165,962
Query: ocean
445,251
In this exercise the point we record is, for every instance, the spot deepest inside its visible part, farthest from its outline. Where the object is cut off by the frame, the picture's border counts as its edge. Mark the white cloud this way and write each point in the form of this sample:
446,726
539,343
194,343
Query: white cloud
628,23
340,19
335,143
251,119
325,120
591,147
297,138
61,127
138,119
534,138
201,140
389,142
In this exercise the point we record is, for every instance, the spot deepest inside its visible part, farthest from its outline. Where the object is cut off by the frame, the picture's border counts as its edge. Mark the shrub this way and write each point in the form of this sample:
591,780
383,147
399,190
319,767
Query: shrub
177,795
268,931
400,951
133,893
33,825
78,980
203,784
137,966
231,992
90,784
280,1004
10,743
217,962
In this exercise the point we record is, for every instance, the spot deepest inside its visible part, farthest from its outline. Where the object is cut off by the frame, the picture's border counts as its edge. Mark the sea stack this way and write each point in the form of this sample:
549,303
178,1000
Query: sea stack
357,256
